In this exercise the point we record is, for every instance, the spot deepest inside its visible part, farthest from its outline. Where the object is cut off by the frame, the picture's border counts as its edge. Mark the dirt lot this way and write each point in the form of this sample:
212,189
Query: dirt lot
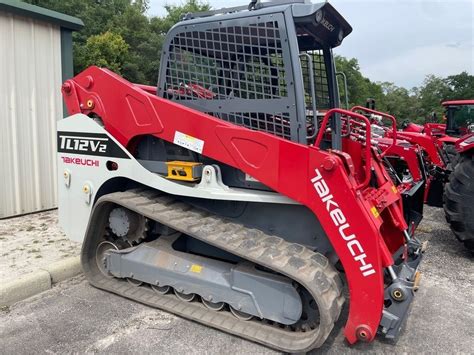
75,317
30,242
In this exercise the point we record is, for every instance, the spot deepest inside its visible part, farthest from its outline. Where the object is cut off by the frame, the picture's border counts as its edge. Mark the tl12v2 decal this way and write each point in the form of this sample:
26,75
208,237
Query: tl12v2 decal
96,144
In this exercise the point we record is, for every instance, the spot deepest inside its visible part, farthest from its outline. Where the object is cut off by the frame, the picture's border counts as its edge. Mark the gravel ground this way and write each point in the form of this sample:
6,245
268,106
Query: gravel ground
75,317
30,242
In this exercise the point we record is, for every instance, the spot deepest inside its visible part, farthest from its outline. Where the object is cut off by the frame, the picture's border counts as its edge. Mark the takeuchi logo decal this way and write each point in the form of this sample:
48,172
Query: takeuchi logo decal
340,221
80,161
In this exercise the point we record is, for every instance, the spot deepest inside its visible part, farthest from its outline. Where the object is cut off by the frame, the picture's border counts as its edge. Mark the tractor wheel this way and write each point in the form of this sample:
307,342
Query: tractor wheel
452,154
459,201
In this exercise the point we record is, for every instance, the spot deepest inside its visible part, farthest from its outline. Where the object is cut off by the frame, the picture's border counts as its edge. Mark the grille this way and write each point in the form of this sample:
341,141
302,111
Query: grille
235,73
244,62
321,84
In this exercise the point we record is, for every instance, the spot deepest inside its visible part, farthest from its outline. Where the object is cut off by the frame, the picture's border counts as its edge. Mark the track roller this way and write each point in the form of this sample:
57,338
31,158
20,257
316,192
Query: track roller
214,306
162,290
185,297
240,315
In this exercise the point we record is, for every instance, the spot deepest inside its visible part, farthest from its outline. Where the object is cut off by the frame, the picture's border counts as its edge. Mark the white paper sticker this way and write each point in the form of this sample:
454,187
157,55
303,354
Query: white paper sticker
188,142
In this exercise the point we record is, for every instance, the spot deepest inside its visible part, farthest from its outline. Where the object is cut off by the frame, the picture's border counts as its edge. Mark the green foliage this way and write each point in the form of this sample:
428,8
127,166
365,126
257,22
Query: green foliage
175,13
142,35
359,88
107,50
417,104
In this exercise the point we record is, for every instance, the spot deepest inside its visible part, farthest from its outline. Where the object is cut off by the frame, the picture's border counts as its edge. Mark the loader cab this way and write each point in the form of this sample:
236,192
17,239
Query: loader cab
268,67
459,117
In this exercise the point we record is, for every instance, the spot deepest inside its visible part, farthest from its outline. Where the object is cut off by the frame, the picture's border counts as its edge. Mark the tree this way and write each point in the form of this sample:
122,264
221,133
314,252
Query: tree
175,13
461,86
107,50
359,87
144,36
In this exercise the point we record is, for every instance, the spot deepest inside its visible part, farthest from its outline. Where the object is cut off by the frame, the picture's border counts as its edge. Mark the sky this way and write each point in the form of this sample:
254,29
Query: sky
399,41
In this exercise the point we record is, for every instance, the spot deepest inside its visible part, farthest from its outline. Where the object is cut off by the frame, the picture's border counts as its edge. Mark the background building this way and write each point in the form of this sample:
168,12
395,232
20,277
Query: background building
35,58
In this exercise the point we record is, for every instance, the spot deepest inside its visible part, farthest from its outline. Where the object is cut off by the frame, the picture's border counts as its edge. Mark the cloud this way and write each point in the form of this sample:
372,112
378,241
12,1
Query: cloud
454,45
411,67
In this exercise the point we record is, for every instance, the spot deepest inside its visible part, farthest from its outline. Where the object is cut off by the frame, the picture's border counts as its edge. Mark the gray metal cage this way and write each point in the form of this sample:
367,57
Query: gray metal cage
237,70
269,69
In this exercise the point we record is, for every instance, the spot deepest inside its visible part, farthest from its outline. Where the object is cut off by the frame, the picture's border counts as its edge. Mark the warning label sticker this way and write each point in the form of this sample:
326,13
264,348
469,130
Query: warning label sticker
188,142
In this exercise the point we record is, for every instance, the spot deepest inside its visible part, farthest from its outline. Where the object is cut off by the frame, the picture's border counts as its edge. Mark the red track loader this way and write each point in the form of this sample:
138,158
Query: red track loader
224,197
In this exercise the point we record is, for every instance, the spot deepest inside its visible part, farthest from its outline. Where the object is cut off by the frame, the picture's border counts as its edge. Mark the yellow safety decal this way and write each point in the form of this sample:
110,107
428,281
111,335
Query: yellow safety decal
196,268
375,212
394,189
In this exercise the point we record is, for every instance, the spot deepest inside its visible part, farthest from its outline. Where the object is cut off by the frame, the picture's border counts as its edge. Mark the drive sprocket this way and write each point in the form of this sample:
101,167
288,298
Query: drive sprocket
128,226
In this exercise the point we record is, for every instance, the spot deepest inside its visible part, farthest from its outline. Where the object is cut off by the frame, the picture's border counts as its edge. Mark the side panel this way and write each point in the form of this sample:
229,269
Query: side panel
81,163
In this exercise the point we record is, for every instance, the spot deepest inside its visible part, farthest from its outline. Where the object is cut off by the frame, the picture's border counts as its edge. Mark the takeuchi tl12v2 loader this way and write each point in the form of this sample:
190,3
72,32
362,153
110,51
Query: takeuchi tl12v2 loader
229,194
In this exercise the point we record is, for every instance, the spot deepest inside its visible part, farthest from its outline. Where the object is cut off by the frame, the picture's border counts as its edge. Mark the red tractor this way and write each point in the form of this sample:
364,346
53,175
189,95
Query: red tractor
449,152
459,117
436,154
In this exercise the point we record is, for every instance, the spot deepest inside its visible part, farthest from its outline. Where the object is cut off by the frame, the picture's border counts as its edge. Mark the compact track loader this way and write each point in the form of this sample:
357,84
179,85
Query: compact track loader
225,196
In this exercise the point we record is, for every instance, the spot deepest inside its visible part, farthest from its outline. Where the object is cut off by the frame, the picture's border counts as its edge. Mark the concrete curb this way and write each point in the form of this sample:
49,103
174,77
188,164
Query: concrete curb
38,281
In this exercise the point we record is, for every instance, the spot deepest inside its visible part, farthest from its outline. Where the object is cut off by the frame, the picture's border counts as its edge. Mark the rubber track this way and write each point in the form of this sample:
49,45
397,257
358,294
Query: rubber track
311,270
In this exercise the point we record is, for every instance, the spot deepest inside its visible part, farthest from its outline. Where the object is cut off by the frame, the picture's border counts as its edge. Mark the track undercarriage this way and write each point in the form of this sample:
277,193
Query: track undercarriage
307,273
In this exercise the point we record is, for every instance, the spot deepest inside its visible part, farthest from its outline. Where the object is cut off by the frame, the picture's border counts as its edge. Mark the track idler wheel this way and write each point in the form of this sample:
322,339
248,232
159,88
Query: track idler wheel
101,252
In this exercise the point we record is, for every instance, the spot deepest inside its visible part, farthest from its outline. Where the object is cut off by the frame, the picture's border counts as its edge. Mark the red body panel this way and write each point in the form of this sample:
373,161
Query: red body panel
465,144
352,214
413,127
457,102
424,141
409,154
435,129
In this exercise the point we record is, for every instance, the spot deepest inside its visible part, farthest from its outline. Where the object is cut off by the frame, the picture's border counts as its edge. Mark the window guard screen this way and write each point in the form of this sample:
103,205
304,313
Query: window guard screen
237,72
